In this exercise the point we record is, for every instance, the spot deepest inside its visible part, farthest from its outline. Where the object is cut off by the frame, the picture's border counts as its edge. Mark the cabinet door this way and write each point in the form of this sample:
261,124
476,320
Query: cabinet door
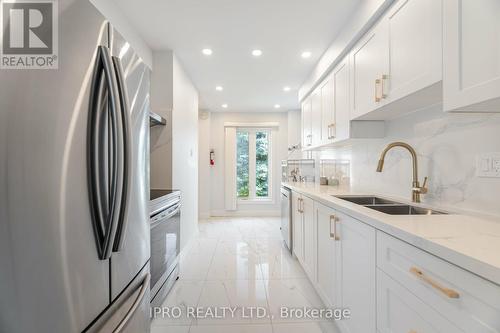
298,227
398,310
327,272
340,129
309,238
327,111
306,123
415,47
471,74
369,61
358,287
316,117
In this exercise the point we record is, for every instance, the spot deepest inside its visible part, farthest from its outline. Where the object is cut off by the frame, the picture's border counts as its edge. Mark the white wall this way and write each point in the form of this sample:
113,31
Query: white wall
162,99
204,171
215,197
447,145
116,17
185,149
174,148
364,17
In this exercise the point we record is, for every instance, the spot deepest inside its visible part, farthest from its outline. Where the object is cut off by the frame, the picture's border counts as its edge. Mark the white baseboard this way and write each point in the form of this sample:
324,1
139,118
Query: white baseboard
245,213
203,215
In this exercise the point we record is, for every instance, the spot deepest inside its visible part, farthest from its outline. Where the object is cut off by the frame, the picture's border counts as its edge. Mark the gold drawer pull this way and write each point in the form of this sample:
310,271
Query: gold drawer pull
448,292
377,85
412,331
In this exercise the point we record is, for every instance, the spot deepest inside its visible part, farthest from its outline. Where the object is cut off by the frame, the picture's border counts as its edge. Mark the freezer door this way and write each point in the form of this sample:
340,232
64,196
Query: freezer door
132,248
129,313
51,279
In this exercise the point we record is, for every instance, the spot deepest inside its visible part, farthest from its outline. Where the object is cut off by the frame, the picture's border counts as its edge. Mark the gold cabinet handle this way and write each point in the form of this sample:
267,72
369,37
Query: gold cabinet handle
450,293
412,331
385,77
331,136
301,205
377,84
332,221
298,205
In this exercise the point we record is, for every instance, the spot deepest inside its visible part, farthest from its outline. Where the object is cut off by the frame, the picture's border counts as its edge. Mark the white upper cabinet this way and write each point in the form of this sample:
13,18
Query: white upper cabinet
471,76
306,123
340,121
397,67
316,117
327,111
415,48
369,62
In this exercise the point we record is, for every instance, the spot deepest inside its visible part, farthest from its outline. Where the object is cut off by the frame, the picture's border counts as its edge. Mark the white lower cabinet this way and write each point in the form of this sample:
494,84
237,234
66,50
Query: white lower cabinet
399,311
465,299
297,227
388,285
309,237
328,255
357,265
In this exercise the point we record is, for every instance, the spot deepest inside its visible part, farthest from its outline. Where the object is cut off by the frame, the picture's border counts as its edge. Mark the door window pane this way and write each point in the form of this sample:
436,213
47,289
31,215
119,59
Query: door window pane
242,164
262,164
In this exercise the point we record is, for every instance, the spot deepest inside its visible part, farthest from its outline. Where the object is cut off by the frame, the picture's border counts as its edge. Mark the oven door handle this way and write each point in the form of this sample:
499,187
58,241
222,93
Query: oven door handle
170,212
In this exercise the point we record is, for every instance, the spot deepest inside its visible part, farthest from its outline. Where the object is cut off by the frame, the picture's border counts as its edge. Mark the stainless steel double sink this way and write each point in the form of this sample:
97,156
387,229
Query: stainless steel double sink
388,206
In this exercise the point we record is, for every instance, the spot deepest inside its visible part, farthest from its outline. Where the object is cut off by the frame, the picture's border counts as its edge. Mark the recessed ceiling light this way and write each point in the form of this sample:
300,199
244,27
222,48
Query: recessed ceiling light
277,106
256,53
207,52
306,54
286,89
219,88
224,106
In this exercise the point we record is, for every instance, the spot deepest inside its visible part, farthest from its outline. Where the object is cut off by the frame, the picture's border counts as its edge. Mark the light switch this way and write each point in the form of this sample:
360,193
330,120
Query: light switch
488,165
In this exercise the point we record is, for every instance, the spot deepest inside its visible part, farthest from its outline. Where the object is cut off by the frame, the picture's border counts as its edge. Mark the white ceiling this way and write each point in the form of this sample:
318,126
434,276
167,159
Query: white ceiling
282,29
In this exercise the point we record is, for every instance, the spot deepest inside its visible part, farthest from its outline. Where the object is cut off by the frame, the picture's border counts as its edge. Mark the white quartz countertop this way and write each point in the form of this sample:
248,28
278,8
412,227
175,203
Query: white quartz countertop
469,242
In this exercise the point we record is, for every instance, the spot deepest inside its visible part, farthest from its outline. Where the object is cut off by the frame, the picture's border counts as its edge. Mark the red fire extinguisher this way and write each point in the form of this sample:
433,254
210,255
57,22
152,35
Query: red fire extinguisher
212,157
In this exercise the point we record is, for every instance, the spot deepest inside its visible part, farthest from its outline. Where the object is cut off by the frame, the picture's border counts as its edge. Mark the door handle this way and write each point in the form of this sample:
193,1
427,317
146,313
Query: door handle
332,221
102,154
124,322
450,293
377,84
383,80
125,150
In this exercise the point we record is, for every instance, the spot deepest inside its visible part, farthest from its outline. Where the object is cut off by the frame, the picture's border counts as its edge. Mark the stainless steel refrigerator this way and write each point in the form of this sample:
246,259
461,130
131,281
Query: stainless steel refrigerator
74,188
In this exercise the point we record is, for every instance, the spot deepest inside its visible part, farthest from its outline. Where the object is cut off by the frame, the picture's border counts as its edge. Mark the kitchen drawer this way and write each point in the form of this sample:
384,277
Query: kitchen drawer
399,311
466,300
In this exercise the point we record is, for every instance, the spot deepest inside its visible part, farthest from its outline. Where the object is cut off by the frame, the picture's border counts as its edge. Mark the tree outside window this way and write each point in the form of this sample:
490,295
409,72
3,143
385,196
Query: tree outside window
253,163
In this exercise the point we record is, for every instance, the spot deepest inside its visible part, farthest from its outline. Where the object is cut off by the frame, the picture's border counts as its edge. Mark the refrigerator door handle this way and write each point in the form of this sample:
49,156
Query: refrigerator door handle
142,293
126,144
103,159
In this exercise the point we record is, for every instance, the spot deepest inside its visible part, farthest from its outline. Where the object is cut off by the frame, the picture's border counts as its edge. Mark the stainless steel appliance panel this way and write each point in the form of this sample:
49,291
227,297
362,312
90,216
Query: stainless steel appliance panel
134,251
126,313
286,216
51,279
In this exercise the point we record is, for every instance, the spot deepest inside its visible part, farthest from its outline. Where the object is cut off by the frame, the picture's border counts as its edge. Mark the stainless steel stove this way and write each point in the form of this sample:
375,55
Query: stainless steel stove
165,218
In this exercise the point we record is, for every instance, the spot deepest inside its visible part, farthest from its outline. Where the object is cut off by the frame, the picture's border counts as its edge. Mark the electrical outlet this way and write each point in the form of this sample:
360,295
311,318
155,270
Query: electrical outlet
488,165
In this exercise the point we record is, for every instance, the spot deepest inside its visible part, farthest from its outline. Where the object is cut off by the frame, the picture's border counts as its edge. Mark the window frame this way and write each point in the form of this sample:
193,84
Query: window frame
252,198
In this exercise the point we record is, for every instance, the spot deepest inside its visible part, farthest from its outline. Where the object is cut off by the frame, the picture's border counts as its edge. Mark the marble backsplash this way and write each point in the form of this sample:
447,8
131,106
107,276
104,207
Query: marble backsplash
447,146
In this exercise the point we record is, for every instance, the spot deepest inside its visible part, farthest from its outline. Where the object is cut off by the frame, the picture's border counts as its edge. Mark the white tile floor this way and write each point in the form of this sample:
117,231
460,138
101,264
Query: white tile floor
241,262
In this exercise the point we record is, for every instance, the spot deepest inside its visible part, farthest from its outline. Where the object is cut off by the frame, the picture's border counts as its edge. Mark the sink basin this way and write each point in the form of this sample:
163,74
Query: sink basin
404,210
367,200
388,206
